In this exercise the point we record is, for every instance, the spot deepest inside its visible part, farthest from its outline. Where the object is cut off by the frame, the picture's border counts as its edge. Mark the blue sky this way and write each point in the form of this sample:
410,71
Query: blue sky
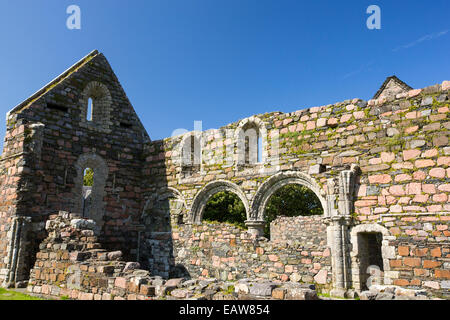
220,61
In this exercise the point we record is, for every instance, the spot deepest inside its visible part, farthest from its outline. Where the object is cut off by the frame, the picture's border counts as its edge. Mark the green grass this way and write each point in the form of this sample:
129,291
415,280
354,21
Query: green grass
13,295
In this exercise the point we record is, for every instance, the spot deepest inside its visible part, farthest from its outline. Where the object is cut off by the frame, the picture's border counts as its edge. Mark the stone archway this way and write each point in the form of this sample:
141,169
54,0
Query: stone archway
202,197
269,187
100,168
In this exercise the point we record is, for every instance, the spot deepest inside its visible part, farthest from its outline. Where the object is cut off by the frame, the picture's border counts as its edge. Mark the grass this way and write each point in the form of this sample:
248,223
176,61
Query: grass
13,295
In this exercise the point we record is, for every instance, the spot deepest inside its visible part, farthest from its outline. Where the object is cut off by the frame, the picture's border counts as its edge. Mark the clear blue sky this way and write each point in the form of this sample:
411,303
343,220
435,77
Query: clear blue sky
223,60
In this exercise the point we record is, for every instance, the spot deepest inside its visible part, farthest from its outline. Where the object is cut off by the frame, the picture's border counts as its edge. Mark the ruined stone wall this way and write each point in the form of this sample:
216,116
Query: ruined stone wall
10,167
398,145
62,142
422,251
17,233
71,263
227,252
363,160
311,230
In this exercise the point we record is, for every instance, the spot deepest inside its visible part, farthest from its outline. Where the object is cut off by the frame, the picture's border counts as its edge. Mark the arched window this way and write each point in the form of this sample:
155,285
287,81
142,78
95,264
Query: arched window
251,148
260,149
191,154
89,110
250,136
96,107
88,193
88,182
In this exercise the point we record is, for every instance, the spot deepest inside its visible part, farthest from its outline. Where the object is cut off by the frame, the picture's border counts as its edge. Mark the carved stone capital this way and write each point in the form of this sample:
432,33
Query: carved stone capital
255,227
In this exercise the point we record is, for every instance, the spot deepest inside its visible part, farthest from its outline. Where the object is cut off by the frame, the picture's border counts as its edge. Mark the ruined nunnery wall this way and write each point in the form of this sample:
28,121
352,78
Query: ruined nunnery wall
49,143
380,169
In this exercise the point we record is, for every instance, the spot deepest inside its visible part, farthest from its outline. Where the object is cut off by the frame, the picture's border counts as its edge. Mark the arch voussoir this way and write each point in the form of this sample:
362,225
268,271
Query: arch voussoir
277,181
202,197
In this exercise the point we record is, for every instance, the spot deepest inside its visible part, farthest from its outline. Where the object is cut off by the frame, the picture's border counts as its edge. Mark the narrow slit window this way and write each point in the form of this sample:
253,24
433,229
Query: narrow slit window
89,109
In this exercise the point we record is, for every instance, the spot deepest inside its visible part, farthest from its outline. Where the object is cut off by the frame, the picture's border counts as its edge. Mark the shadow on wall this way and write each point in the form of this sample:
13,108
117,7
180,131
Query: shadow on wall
163,208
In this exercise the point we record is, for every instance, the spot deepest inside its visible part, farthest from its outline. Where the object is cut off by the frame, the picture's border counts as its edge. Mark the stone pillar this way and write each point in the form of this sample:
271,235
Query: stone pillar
255,227
18,253
338,227
337,233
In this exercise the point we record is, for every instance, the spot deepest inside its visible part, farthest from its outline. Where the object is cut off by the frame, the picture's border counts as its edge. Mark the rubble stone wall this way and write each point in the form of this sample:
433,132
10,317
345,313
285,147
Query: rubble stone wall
422,251
227,252
72,264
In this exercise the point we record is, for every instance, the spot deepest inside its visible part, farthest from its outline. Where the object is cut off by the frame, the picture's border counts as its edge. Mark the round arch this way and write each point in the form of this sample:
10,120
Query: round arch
102,106
202,197
274,183
240,133
100,168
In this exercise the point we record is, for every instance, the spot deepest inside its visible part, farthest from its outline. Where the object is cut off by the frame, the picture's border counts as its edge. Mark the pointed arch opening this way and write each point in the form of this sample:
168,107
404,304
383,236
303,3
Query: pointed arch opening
88,182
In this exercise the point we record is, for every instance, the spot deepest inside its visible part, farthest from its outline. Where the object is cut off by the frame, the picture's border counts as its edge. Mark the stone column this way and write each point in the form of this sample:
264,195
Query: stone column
255,227
18,253
337,233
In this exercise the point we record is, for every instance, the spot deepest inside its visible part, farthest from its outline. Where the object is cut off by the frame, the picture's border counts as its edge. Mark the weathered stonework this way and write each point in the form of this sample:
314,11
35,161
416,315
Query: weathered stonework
380,169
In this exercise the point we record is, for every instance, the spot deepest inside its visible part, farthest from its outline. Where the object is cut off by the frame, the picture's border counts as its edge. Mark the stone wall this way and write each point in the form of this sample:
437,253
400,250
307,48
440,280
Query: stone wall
48,144
363,160
71,264
18,233
309,230
422,252
227,252
400,146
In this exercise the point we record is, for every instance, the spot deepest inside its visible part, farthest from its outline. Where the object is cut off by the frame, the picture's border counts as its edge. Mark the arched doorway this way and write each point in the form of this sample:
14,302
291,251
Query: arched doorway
89,200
